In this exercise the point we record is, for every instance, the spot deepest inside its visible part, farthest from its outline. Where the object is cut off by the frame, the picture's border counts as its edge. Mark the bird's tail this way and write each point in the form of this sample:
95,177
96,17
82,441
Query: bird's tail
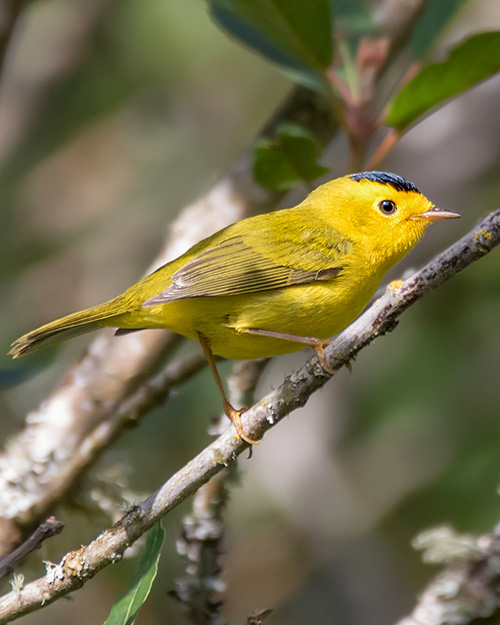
68,327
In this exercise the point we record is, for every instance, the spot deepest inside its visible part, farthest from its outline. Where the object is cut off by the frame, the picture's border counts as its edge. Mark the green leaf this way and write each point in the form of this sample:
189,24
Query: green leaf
436,16
469,63
289,158
296,35
127,606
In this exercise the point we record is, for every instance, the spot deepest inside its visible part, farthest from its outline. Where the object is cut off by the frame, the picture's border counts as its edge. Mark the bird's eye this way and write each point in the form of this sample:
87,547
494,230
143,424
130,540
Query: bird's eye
387,207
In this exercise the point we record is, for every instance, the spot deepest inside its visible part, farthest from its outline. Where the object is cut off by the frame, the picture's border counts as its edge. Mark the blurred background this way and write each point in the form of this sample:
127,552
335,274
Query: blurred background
113,116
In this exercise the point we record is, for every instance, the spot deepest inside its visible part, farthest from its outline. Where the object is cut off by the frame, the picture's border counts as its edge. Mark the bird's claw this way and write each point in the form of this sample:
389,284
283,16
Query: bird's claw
319,348
235,418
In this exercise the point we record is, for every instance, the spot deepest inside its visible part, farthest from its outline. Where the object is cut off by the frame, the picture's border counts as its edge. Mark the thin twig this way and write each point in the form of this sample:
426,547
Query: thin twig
50,527
258,616
77,567
382,150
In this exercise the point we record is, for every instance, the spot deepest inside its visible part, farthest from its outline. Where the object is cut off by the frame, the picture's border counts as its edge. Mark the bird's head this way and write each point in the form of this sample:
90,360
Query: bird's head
383,212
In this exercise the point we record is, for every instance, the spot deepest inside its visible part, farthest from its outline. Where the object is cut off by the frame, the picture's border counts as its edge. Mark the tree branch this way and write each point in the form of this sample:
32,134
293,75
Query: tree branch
50,527
466,590
200,546
77,567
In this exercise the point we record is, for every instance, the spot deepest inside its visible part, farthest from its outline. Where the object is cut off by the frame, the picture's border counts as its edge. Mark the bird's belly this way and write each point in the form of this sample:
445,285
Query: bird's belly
309,310
317,310
312,310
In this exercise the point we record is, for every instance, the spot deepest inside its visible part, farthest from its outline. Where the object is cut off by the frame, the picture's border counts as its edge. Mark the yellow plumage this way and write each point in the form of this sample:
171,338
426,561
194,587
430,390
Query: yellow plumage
300,273
306,271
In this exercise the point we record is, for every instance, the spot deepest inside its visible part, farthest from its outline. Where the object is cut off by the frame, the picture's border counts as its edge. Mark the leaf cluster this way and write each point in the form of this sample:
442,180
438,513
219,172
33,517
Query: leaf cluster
337,49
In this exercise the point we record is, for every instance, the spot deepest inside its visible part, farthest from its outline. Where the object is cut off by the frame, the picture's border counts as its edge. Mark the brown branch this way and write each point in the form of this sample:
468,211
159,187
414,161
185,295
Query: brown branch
50,527
77,567
383,149
258,616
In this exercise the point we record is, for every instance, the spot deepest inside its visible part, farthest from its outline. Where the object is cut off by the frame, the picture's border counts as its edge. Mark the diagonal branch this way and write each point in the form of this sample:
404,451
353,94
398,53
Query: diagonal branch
77,567
50,527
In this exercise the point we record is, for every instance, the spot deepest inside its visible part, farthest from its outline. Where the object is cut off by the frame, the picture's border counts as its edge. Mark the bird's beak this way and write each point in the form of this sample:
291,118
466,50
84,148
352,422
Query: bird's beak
437,214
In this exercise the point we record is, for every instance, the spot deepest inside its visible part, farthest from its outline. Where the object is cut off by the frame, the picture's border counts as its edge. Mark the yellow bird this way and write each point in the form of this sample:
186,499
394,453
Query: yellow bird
273,283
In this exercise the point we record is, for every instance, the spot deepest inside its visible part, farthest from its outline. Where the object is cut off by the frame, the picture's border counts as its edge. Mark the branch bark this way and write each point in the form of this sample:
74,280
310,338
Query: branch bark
465,591
50,527
78,567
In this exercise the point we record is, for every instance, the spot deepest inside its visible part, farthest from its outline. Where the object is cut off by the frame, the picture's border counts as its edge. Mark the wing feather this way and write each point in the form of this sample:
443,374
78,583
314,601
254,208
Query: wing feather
234,267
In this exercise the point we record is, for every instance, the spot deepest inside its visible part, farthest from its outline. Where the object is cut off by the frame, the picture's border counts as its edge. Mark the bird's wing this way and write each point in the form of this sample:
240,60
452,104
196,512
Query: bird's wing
234,267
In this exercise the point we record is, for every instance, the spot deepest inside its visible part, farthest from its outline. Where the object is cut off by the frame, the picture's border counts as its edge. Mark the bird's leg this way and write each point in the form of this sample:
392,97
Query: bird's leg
317,344
231,413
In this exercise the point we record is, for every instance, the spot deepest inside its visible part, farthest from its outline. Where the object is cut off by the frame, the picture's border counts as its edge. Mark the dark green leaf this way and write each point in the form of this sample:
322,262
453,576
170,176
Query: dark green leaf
437,15
289,158
469,63
126,607
296,35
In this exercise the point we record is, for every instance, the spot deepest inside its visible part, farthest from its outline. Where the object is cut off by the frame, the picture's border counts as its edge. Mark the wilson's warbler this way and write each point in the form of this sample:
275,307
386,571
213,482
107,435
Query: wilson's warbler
270,284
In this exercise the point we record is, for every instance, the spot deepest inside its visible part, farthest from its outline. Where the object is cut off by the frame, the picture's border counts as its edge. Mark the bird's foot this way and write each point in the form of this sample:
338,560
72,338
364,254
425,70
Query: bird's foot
319,347
235,417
